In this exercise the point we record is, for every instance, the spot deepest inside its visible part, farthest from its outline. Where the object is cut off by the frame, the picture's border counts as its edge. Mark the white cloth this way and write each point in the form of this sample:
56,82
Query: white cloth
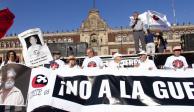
147,64
176,62
150,48
113,64
14,97
93,61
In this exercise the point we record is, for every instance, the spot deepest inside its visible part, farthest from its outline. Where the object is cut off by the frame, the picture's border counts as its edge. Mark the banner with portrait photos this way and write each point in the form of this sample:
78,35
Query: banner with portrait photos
108,90
14,83
35,51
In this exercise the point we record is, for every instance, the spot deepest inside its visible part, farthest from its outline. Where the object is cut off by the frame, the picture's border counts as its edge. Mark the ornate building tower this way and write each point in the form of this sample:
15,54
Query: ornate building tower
93,30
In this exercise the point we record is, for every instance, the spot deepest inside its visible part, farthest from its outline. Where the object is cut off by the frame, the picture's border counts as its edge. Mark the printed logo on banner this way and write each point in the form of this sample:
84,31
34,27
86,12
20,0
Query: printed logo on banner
39,81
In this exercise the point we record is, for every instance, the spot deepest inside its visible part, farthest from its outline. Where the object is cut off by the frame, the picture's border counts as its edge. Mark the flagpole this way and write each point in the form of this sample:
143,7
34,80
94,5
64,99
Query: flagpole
94,4
174,12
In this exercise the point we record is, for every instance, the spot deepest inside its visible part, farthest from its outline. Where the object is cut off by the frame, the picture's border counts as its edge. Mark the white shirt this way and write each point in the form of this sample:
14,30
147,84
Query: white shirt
147,64
14,97
60,62
176,62
93,61
74,67
138,26
34,50
113,64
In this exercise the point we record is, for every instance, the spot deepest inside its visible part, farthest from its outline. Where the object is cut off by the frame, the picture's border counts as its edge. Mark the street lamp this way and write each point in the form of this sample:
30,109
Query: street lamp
121,37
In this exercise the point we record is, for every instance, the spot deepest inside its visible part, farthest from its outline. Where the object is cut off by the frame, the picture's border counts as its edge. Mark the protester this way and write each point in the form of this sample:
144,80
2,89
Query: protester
149,40
138,31
176,61
145,63
11,57
161,44
57,62
116,62
72,62
9,94
91,60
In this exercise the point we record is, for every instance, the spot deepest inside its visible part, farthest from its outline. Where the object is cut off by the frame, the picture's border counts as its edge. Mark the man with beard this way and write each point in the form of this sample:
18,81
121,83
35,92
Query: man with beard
9,94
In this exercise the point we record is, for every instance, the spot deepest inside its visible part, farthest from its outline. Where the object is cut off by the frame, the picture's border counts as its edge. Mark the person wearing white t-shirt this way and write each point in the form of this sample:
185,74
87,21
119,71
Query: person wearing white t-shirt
72,62
176,61
91,60
145,63
57,62
116,63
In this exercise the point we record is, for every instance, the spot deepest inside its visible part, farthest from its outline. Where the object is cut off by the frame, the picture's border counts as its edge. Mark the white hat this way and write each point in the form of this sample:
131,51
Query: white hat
177,48
142,52
116,55
11,73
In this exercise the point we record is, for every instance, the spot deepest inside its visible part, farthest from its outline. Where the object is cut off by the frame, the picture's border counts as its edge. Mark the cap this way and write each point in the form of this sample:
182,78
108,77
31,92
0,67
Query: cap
71,57
117,55
177,48
142,52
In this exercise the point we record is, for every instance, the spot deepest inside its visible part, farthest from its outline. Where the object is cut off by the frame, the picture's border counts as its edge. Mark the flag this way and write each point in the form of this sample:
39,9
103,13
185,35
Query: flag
6,20
155,20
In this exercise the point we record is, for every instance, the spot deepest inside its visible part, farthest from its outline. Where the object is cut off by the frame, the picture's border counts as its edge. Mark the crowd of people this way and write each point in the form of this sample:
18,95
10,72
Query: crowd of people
176,61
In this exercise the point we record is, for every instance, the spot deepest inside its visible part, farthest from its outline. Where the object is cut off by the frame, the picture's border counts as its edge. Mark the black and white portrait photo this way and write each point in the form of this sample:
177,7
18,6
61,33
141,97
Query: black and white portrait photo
34,45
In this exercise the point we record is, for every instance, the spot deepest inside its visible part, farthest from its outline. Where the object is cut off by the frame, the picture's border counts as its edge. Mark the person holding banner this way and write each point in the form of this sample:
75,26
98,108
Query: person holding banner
176,61
11,57
91,60
116,63
9,94
138,31
72,62
57,62
145,63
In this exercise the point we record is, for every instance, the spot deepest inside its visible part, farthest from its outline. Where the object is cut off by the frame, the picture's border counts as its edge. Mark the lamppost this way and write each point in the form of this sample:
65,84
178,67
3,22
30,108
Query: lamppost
121,37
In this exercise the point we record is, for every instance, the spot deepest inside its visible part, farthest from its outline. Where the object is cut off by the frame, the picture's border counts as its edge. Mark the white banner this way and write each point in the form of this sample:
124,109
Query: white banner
108,90
35,51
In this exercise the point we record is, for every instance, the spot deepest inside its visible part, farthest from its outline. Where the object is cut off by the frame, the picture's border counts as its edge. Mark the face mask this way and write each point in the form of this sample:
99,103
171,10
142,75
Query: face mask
9,84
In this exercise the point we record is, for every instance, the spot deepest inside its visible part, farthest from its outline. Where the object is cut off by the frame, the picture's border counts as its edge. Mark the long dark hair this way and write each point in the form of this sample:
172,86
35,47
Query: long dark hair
161,38
8,55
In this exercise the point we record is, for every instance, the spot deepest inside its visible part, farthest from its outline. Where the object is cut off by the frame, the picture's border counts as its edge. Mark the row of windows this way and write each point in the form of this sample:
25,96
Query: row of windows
10,44
59,40
17,44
